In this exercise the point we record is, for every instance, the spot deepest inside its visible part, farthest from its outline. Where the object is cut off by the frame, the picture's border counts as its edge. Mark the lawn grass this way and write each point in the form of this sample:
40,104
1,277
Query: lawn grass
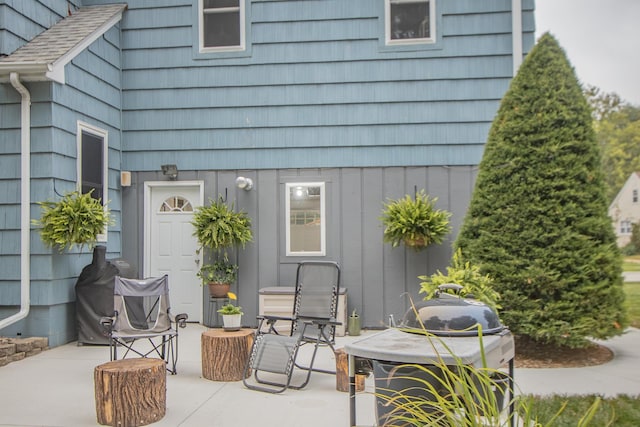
621,411
630,266
632,292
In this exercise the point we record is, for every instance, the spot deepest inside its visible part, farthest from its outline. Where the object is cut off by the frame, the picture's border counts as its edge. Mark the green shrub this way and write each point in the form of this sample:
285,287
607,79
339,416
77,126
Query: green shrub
537,222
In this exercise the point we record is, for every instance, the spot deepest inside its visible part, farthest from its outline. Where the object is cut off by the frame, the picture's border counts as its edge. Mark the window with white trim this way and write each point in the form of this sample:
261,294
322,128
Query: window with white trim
634,196
625,227
305,219
409,21
222,25
92,164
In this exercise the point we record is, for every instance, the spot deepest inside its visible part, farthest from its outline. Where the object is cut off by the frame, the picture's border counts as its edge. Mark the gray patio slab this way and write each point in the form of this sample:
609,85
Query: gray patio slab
55,388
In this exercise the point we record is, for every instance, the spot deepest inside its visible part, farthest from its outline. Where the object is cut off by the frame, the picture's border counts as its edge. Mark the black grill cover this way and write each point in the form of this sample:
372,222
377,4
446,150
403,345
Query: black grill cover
94,294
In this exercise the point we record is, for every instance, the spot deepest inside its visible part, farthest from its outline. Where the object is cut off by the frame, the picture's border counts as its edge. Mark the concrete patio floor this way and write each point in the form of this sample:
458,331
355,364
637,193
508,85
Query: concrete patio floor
55,388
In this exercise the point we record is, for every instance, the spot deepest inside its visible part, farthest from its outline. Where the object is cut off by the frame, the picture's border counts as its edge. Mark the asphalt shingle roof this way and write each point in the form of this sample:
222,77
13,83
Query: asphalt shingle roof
60,39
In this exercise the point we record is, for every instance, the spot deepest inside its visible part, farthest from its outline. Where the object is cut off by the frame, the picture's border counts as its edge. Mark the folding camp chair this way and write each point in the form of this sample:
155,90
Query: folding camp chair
273,355
142,322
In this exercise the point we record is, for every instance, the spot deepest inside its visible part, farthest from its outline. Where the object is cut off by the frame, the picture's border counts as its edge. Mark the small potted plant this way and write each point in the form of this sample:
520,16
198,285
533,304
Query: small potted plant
219,228
414,221
231,316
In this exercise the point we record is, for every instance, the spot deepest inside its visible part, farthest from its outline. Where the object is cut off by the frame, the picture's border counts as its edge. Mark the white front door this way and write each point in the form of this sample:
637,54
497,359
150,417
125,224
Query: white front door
170,247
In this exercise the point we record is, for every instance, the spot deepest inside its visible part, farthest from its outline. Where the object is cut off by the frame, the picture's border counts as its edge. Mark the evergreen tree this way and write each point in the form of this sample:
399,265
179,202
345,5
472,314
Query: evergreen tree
537,222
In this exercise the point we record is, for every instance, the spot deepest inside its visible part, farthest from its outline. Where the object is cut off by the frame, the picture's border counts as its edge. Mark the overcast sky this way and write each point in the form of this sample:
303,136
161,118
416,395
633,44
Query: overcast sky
601,39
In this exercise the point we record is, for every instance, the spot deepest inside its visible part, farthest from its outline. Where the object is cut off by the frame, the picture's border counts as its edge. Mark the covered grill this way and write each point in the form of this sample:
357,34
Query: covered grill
94,294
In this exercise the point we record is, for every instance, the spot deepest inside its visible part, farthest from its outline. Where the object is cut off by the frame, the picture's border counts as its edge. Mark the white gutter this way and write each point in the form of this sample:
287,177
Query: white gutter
25,201
516,34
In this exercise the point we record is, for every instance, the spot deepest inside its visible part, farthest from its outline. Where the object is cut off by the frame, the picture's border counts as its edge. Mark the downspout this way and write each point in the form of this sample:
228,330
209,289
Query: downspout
516,34
25,201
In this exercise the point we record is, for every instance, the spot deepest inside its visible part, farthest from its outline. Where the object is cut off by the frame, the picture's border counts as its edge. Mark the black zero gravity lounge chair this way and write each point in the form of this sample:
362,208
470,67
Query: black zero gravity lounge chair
273,355
142,323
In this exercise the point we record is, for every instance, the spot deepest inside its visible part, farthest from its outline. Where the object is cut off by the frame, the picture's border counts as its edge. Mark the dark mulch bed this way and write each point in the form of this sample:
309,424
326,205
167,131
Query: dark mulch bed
530,354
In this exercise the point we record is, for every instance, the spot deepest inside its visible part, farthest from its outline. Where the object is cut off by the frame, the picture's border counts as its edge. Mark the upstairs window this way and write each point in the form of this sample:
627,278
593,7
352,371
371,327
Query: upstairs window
635,196
222,25
409,21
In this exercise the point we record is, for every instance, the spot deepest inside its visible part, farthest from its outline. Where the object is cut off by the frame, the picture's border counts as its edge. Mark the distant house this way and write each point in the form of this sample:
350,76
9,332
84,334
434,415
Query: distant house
345,102
625,209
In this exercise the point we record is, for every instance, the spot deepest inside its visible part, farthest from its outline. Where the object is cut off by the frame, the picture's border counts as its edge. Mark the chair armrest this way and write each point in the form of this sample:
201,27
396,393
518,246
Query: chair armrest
181,319
107,323
324,322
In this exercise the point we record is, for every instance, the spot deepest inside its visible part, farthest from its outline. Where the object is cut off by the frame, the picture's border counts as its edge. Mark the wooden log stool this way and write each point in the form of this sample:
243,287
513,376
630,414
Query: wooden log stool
130,392
342,372
224,353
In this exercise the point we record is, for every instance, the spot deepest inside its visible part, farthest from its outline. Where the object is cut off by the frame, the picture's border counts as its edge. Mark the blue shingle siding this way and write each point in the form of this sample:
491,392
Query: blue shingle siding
316,77
91,93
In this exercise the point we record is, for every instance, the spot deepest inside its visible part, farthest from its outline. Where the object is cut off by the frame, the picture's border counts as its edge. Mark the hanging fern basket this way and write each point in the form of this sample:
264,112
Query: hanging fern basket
76,219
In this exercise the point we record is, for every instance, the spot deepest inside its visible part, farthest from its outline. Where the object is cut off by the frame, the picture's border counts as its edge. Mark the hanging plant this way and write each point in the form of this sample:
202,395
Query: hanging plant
414,221
76,219
218,228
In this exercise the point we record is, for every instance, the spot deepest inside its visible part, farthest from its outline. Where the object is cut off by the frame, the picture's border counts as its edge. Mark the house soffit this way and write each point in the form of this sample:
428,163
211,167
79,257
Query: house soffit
44,57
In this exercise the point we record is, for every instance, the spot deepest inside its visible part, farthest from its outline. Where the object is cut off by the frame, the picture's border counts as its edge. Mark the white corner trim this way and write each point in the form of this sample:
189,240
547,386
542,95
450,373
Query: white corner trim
516,36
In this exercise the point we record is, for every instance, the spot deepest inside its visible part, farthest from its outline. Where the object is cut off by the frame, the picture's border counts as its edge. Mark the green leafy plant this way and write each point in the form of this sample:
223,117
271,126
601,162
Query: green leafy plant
230,309
220,271
473,282
414,221
76,219
218,227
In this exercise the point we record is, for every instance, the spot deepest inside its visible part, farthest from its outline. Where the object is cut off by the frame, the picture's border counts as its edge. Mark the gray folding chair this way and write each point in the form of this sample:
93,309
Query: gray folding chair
313,320
142,313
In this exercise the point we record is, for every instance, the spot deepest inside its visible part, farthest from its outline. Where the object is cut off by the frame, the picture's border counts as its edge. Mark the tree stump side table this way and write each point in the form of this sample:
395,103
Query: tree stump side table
225,353
130,392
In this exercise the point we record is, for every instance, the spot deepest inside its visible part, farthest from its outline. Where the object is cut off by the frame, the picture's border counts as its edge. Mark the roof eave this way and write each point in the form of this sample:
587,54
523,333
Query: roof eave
41,71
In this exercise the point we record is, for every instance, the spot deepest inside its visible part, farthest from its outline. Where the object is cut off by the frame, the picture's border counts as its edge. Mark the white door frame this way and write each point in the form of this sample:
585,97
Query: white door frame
148,212
148,185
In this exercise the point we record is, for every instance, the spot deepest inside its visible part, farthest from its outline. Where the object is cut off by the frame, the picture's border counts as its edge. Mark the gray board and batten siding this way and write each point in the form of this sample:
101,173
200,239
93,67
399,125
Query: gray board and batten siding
380,279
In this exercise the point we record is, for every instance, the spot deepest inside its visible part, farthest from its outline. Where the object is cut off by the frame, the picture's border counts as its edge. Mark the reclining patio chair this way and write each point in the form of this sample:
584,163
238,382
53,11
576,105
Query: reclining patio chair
142,322
273,355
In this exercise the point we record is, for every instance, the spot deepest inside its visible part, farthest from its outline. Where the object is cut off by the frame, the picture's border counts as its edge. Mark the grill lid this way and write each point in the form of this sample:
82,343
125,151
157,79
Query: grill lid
451,315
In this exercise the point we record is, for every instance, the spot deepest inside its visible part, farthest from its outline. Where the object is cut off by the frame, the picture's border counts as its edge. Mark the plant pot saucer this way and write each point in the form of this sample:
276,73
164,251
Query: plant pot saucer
231,328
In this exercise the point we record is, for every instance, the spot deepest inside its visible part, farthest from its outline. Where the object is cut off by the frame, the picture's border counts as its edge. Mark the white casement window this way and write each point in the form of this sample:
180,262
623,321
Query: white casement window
410,21
625,227
92,164
222,25
305,218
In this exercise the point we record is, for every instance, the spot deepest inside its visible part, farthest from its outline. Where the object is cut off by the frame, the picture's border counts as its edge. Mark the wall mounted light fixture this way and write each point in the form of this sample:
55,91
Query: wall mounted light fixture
244,183
171,171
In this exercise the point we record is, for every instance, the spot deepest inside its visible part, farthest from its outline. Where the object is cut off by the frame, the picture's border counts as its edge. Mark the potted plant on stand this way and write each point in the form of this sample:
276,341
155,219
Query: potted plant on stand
414,221
219,228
